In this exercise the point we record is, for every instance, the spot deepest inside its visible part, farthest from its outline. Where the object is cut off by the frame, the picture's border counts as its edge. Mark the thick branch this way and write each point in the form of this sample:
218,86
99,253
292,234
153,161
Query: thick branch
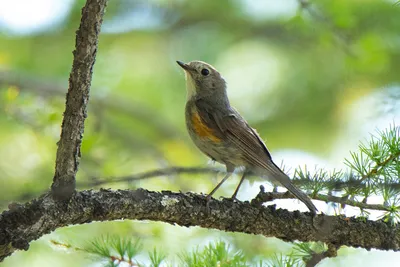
68,153
30,221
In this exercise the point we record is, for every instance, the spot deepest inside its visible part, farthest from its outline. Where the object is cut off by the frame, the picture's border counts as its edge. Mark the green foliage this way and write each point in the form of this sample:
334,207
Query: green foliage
304,251
317,180
280,260
373,171
115,250
123,251
218,254
376,164
156,257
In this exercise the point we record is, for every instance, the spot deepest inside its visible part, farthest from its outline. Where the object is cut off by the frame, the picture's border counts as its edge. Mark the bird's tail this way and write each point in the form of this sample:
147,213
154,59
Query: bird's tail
276,174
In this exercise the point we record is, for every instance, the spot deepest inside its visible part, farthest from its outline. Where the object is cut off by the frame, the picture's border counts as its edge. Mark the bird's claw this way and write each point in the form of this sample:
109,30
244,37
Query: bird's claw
232,198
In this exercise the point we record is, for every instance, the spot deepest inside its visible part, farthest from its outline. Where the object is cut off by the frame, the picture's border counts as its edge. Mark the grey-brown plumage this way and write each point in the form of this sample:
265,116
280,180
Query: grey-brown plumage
221,133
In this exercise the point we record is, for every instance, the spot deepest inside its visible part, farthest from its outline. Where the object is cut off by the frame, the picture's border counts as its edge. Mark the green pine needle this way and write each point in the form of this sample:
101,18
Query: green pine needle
156,257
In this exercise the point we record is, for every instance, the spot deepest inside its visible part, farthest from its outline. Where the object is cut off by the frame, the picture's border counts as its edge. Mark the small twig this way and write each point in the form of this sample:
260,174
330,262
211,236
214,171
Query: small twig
379,166
259,199
269,196
174,170
376,170
335,185
150,174
68,152
318,257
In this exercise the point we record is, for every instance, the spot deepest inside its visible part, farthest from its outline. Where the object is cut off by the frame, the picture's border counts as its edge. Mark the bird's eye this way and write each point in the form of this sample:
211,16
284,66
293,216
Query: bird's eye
205,72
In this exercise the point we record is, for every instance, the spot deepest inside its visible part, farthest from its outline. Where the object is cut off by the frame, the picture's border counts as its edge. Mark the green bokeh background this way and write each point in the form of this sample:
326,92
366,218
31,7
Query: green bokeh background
304,77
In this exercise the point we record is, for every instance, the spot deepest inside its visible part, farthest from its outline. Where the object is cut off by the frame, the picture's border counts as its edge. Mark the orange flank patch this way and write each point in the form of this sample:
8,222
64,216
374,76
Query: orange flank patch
203,130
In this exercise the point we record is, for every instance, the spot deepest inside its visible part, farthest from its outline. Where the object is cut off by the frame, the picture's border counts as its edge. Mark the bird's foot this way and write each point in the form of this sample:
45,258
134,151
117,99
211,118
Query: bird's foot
232,198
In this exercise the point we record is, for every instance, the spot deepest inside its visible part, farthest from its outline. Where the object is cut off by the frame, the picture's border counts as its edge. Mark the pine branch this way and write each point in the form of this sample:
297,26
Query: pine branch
114,250
263,197
335,184
380,166
328,184
267,196
28,222
68,152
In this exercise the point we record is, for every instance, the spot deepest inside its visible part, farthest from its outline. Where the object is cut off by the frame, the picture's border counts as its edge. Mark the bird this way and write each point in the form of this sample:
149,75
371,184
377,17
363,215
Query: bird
222,134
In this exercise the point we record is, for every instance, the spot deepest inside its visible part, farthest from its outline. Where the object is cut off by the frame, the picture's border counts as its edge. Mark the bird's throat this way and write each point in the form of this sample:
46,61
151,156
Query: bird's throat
190,86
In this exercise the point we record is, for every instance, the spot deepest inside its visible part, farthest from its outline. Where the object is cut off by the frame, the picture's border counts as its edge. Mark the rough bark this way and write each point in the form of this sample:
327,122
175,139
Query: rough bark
24,223
68,152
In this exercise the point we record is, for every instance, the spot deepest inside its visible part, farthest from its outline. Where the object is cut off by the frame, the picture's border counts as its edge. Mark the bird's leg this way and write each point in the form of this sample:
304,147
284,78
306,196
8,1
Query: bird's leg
237,188
227,175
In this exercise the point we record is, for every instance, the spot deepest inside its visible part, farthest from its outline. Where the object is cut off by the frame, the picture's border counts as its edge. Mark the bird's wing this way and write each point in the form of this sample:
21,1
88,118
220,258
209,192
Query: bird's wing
237,130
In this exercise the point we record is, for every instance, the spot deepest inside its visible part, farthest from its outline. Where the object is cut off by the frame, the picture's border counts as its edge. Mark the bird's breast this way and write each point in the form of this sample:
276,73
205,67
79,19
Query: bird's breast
210,140
201,128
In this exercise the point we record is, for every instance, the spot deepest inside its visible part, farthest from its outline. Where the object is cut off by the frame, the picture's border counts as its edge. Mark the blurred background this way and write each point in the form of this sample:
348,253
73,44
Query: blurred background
314,78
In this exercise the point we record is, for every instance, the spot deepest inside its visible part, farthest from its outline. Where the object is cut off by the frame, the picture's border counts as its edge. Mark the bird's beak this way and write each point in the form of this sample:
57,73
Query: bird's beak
184,65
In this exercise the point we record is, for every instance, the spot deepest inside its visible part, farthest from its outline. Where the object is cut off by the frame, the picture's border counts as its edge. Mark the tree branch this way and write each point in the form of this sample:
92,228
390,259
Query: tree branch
150,174
68,152
258,200
25,223
379,166
334,184
318,257
263,197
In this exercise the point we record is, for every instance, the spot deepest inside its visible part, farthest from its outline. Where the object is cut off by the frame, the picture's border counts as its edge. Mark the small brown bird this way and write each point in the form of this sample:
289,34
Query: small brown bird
222,134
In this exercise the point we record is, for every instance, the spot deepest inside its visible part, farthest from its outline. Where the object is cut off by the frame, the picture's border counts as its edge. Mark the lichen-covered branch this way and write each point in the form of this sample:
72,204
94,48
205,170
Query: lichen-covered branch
68,152
25,223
